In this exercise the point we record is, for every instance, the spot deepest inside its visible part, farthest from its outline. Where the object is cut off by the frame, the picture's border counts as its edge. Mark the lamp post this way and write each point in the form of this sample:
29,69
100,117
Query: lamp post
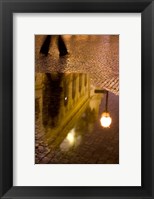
105,117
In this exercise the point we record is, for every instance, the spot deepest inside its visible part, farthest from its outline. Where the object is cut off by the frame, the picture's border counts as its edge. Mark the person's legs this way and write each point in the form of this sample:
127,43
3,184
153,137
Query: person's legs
45,47
60,43
61,46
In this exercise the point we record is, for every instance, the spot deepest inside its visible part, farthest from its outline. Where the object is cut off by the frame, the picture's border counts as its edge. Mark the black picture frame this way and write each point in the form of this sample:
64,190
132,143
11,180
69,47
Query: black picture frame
7,8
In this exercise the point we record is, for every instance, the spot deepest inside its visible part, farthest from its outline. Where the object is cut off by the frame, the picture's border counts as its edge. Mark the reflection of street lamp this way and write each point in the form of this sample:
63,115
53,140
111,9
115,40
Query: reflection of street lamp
105,117
71,137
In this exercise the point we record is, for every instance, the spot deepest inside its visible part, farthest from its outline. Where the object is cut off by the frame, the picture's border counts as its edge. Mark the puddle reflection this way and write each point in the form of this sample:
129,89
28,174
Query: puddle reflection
68,111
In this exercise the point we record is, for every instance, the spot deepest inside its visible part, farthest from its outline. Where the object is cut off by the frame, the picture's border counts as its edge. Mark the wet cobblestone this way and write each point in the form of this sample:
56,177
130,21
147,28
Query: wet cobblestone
96,148
96,55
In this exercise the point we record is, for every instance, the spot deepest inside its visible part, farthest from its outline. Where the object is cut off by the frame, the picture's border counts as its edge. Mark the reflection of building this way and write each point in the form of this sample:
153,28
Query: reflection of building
60,99
39,99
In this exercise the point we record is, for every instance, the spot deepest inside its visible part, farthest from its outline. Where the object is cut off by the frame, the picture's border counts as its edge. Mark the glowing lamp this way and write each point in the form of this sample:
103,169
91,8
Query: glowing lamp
105,120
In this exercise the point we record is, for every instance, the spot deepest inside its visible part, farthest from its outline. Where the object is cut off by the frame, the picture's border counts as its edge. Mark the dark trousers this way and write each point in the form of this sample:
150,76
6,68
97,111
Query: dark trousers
60,43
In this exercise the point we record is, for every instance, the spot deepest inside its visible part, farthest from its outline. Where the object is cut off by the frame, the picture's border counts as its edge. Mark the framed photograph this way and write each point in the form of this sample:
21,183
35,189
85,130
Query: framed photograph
76,99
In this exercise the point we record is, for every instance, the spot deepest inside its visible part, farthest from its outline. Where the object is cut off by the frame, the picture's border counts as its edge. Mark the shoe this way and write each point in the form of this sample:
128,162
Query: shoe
64,54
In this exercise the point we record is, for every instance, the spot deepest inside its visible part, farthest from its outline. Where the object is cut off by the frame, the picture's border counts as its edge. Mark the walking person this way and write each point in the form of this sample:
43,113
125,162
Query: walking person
60,43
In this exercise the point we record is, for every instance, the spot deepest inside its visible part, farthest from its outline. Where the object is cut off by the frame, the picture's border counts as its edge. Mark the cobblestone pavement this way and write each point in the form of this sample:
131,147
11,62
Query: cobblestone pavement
94,144
96,55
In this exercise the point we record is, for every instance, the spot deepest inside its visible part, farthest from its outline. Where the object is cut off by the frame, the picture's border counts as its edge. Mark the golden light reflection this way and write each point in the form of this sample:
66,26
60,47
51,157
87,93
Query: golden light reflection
71,140
105,120
71,136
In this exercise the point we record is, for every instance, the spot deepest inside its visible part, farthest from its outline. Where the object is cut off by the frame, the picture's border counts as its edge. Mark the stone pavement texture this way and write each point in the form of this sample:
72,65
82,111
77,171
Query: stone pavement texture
97,55
94,144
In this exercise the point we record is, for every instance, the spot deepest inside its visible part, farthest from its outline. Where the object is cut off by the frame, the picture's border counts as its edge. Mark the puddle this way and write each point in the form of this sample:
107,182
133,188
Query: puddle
68,109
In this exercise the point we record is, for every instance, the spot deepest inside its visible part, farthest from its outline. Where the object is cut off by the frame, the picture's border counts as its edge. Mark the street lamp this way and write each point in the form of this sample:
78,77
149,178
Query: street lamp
105,117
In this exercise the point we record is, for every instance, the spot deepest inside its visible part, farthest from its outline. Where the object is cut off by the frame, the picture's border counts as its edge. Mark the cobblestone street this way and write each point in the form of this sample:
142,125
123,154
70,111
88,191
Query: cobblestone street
96,55
67,108
92,143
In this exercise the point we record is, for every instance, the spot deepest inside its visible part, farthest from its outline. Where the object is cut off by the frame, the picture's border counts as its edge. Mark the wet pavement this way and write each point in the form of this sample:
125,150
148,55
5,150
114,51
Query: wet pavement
68,108
68,128
97,55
